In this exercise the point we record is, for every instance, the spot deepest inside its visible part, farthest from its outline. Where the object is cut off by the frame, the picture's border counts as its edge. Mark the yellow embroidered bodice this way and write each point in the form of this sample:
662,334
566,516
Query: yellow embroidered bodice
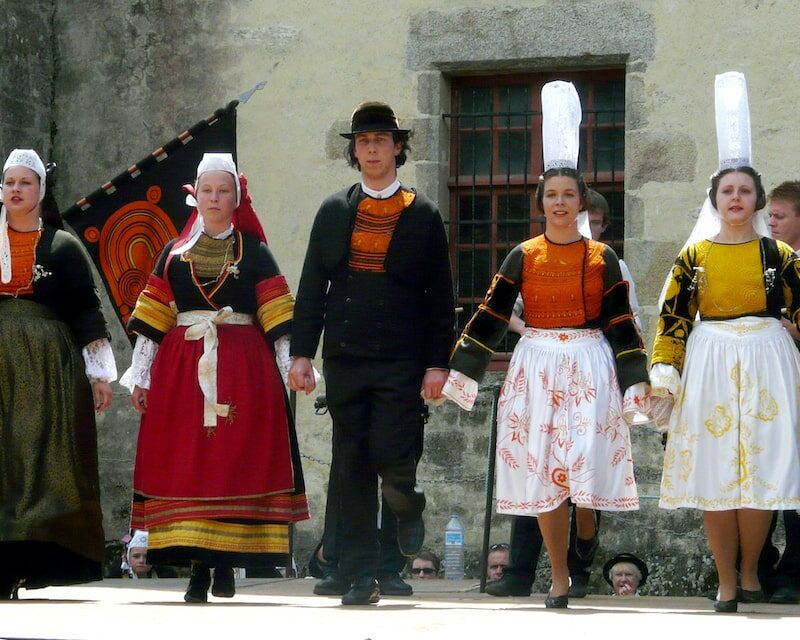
732,281
722,282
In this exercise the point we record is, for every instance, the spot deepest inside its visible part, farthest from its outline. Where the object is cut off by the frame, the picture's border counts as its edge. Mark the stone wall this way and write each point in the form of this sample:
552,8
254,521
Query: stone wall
26,75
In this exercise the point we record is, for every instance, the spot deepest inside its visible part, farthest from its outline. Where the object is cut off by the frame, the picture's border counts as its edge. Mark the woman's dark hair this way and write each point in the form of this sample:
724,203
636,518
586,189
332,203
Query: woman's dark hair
397,136
583,190
51,216
761,194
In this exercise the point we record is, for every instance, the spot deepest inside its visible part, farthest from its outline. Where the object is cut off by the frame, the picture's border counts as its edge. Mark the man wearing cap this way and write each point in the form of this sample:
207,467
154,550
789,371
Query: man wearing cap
377,279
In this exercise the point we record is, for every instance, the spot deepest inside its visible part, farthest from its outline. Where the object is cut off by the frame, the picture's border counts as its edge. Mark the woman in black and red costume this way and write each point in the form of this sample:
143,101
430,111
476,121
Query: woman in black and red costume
217,479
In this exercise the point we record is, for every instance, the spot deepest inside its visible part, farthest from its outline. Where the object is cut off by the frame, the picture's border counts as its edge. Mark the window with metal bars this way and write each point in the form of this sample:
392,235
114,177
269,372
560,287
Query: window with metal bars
496,160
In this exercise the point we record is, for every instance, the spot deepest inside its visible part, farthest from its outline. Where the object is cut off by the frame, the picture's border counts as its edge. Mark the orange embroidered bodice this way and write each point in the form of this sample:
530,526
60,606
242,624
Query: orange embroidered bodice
375,223
562,284
23,255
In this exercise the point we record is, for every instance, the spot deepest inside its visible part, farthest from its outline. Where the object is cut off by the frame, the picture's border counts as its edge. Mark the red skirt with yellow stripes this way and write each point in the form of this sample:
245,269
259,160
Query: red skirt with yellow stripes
227,494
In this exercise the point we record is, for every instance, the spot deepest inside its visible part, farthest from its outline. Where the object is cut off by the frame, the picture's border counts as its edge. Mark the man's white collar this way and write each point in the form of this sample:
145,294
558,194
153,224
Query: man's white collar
388,192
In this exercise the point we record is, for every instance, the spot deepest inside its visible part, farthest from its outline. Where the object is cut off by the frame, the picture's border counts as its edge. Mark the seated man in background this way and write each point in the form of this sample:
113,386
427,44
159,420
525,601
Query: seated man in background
496,561
425,566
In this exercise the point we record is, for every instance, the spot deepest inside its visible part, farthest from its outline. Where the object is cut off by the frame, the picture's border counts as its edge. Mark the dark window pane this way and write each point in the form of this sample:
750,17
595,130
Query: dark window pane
513,152
513,218
502,252
609,102
475,100
475,219
474,153
609,149
583,151
582,90
473,282
615,233
513,99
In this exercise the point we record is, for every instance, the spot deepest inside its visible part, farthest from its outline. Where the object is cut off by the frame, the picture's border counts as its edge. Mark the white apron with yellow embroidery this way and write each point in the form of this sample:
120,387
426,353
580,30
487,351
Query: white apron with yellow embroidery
561,432
733,434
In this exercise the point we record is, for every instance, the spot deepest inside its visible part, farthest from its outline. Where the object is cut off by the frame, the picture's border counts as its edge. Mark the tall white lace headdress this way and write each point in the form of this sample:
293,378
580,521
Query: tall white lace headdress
732,113
561,124
734,147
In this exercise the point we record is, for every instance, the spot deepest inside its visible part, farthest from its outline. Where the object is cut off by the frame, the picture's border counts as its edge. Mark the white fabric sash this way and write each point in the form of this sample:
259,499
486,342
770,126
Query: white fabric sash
203,324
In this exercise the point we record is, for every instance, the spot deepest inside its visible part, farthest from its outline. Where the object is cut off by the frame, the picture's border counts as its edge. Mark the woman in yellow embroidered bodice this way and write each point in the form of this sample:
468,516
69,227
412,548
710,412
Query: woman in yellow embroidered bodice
724,457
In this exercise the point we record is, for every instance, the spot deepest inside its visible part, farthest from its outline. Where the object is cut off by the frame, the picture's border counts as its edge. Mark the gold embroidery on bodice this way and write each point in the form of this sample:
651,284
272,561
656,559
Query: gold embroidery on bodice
731,283
210,256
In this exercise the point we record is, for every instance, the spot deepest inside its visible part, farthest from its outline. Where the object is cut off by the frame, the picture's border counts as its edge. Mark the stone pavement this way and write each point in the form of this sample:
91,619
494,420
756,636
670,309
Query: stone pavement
442,609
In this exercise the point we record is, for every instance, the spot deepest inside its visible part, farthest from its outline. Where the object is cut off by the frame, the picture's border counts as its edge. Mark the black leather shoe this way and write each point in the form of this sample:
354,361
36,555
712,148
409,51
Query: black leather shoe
332,584
579,585
559,602
394,585
314,565
410,536
785,595
726,606
8,588
743,595
363,591
224,585
509,585
199,582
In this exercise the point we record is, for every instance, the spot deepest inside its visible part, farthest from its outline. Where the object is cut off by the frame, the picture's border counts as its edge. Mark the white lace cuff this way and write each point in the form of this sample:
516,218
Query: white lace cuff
282,357
664,380
99,360
461,389
138,375
636,404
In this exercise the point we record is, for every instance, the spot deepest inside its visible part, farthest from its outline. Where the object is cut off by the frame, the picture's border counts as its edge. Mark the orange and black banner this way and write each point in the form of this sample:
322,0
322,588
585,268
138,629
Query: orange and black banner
126,223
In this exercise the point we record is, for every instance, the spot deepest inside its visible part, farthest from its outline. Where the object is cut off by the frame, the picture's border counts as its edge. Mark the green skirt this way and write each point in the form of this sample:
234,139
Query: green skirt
51,529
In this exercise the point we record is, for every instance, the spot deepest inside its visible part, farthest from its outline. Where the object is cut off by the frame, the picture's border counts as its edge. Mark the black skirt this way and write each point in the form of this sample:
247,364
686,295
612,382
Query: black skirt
50,520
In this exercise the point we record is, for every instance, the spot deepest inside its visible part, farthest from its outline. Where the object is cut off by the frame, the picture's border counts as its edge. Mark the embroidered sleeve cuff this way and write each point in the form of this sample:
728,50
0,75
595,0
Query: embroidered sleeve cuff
664,380
460,389
99,360
636,405
138,374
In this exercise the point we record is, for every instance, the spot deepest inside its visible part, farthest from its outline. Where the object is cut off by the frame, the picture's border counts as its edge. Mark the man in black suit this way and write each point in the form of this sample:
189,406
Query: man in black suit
377,279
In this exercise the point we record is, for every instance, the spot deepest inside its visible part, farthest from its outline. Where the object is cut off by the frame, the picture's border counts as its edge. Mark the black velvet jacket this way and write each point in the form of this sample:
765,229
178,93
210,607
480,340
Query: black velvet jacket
406,312
66,285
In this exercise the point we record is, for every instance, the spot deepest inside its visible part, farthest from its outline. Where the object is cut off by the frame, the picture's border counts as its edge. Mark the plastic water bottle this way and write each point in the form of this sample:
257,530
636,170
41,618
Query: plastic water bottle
454,549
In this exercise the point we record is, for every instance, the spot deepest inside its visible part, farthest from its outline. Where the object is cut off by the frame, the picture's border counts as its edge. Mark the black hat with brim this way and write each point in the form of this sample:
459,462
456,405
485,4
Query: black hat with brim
373,116
625,557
